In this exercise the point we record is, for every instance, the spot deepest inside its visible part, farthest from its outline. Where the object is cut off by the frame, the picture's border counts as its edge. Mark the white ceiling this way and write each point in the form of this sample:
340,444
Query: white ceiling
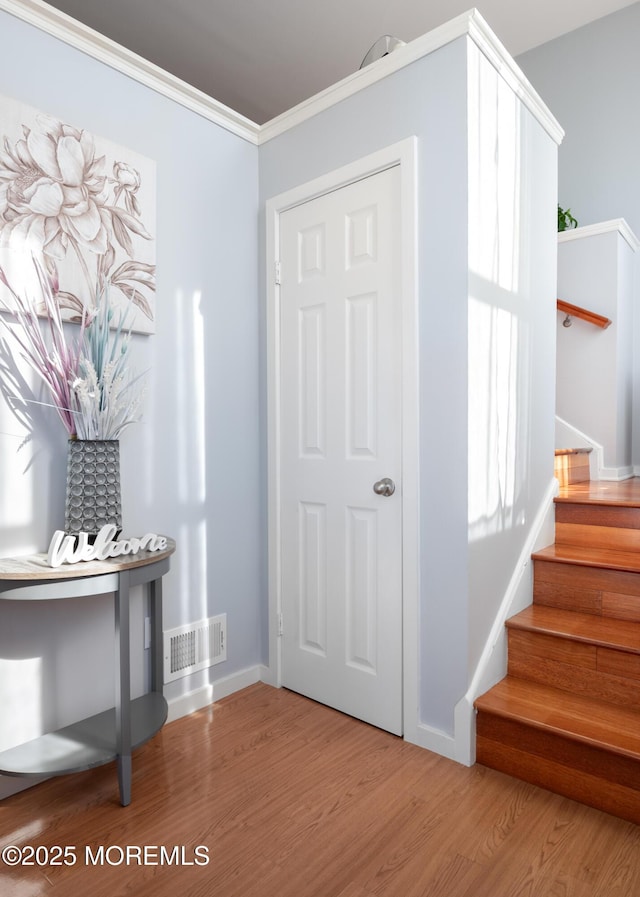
262,57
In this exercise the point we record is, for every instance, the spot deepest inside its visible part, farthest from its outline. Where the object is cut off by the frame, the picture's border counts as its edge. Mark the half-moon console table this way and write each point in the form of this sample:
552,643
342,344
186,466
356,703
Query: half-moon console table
113,734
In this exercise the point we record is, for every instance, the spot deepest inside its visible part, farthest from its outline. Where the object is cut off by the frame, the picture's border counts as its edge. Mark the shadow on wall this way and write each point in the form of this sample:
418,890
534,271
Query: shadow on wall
33,655
32,460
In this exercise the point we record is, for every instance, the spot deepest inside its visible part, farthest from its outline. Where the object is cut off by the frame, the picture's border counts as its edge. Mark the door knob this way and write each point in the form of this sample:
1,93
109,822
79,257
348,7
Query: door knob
385,487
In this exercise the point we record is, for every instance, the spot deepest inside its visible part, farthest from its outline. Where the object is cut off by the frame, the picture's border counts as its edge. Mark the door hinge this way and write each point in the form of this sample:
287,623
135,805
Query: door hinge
277,272
280,625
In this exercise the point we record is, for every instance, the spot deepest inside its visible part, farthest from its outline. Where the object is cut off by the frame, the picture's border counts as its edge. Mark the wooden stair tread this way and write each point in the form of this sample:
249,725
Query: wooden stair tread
572,451
580,719
572,466
625,493
607,632
567,715
606,558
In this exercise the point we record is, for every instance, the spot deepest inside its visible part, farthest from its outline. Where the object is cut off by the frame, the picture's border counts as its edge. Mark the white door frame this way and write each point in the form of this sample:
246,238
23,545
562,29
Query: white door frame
403,154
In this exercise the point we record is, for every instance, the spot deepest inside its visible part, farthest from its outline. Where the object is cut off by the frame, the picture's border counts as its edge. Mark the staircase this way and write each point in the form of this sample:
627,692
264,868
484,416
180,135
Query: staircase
567,716
572,466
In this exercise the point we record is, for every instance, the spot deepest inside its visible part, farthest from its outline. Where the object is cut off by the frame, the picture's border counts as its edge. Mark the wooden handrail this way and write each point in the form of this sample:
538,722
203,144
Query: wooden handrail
574,311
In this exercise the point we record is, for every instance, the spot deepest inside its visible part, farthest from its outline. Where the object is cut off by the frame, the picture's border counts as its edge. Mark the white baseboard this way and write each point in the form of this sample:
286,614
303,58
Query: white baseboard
433,740
568,436
215,691
616,474
13,784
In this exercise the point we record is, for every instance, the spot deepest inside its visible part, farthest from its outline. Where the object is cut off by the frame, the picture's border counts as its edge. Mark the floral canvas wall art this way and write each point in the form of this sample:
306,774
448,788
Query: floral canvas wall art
85,207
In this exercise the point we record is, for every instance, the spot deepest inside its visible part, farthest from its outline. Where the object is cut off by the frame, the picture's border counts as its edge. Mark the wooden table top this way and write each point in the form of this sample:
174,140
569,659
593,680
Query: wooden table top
35,567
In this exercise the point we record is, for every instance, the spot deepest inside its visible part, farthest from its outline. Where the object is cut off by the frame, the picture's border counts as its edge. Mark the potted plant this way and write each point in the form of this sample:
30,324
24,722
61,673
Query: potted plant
566,221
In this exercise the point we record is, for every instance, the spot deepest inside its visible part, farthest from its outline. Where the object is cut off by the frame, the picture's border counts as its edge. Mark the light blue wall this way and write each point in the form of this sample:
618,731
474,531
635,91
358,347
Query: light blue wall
426,99
512,319
192,467
590,80
463,574
196,468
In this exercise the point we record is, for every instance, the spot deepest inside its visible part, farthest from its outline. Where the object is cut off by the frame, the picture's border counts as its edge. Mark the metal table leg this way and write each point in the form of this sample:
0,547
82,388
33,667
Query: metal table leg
123,688
157,646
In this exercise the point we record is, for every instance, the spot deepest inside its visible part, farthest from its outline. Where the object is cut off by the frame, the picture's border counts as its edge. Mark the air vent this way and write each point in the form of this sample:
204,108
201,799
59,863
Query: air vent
197,646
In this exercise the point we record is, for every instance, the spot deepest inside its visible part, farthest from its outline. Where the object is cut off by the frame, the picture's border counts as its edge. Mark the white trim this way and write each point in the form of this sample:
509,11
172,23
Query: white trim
470,24
435,741
67,29
10,785
616,225
597,469
403,154
371,74
497,54
96,45
183,705
616,474
492,665
596,463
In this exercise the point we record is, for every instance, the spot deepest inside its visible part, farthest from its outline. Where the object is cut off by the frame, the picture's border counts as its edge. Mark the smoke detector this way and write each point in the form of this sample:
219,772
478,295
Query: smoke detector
382,47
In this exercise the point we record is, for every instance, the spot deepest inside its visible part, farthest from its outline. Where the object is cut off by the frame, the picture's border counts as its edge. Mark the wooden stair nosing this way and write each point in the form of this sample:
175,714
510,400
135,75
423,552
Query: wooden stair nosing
570,716
567,497
602,493
604,632
585,450
603,558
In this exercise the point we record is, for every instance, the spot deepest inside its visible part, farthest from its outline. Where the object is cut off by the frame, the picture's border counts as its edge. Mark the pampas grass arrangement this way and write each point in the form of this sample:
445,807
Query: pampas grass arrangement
105,396
94,393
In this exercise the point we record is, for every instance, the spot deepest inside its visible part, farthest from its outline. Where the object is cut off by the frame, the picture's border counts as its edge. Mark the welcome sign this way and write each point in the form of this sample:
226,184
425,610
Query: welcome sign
75,549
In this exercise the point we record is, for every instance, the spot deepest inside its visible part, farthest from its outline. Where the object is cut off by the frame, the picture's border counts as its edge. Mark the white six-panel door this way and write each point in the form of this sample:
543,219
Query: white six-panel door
341,541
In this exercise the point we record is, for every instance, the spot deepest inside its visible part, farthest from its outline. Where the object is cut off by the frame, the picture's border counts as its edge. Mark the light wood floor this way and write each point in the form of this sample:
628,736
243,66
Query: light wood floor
292,799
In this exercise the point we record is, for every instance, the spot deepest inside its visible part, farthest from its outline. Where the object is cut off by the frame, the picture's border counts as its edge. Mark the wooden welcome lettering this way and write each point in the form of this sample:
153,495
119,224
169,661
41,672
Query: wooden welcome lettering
65,550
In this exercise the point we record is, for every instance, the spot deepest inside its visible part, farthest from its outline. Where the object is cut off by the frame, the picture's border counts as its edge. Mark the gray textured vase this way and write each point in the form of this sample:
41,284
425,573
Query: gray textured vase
93,486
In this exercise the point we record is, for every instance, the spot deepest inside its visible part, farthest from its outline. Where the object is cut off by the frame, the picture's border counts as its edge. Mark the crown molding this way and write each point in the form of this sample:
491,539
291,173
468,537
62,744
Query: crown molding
470,24
371,74
96,45
615,225
496,53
